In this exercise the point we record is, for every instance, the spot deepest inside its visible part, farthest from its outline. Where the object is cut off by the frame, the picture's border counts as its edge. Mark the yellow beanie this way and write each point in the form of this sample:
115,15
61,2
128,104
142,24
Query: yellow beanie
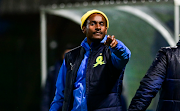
87,14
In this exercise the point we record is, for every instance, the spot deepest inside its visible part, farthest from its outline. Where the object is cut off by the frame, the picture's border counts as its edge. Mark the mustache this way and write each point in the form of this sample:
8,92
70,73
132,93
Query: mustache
97,32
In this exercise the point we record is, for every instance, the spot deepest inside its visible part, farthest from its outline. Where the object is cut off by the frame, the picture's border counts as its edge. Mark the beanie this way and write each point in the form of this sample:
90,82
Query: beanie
87,14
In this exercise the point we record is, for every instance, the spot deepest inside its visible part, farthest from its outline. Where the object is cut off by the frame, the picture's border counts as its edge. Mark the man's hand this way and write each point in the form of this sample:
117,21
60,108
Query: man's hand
111,41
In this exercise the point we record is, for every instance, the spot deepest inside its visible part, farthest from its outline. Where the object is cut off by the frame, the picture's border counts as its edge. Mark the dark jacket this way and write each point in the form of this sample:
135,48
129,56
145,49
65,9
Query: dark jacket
103,84
93,75
163,75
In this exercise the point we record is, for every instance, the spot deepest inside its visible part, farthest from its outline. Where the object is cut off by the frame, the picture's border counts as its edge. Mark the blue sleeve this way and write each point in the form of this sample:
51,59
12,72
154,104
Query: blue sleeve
120,55
57,102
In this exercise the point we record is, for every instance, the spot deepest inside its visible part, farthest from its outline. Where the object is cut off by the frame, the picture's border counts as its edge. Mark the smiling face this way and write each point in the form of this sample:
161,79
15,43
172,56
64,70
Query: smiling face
95,28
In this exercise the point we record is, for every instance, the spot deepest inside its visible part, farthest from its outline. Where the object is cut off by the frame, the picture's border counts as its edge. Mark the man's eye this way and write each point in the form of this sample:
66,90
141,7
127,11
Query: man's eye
92,23
102,24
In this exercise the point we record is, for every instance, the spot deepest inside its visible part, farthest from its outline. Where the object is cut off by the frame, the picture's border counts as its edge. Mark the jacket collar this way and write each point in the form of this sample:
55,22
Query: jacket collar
92,46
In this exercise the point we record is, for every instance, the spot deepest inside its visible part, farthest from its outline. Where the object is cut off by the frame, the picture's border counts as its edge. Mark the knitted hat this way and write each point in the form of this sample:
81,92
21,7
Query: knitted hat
87,14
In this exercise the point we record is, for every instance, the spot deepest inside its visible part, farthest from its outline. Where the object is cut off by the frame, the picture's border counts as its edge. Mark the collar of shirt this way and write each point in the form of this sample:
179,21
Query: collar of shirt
86,45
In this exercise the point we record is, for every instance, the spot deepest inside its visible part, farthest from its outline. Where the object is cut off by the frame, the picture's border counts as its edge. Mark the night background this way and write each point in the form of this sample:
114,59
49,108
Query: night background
20,68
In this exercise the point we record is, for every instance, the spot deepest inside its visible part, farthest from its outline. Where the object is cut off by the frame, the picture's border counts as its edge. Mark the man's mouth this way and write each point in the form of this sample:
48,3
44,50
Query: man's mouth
97,33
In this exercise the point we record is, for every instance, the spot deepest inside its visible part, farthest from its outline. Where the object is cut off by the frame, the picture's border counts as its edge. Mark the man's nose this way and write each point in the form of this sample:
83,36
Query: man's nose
98,27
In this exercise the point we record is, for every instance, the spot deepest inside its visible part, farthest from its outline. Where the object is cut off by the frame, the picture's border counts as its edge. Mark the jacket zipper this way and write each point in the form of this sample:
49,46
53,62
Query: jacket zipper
88,77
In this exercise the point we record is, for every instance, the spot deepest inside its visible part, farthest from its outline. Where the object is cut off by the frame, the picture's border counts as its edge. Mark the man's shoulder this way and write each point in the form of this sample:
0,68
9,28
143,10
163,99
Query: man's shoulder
170,49
73,53
74,50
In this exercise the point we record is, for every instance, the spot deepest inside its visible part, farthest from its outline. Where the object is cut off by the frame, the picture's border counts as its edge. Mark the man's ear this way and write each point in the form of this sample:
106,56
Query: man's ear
84,29
106,31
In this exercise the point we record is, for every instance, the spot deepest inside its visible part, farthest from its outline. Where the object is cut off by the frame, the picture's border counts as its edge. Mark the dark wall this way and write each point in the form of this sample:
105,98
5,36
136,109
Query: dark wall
19,48
62,31
20,56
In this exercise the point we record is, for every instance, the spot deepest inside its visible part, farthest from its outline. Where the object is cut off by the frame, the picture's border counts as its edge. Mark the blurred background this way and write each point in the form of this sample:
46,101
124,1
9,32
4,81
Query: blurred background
142,25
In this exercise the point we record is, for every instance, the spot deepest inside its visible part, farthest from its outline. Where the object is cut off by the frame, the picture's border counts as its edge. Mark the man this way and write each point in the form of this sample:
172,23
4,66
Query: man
91,75
163,74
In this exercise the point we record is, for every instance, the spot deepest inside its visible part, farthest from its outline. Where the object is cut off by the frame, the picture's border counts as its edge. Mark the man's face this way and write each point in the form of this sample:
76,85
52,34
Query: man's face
96,28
